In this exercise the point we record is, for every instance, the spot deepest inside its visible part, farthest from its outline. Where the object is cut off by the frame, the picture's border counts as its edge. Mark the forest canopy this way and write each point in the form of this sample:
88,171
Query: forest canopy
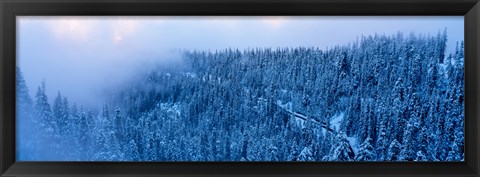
380,98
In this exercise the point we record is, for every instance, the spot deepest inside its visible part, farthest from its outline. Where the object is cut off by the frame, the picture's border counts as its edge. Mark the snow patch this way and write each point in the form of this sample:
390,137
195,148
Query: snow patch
354,143
172,109
287,106
300,123
336,120
190,74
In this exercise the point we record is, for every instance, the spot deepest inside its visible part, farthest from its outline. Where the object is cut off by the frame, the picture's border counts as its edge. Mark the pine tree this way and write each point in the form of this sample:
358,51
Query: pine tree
84,135
366,151
134,155
382,142
408,151
58,114
421,156
293,155
422,144
394,149
23,99
119,126
306,154
327,144
27,125
342,151
454,154
42,108
399,109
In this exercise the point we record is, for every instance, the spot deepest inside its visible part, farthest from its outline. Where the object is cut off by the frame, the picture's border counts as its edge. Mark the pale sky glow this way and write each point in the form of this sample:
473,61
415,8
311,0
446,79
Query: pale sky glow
86,56
71,29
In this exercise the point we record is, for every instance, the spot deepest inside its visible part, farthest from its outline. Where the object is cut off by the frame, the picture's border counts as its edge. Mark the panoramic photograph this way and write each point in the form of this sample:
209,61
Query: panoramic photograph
240,88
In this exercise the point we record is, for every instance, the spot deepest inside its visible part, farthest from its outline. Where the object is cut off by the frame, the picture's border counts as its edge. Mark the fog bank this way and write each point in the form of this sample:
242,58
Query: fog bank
82,57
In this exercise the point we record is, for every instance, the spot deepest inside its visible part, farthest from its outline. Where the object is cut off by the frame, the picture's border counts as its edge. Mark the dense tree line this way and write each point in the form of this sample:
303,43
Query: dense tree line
402,98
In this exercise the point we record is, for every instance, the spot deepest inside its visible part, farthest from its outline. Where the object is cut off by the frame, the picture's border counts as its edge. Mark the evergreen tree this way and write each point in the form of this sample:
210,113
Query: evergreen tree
366,151
23,99
306,154
342,151
42,108
393,153
382,142
408,151
421,156
27,125
58,114
119,125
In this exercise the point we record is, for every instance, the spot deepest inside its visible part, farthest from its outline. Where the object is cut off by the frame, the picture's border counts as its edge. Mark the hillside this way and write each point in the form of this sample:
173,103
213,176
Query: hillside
382,98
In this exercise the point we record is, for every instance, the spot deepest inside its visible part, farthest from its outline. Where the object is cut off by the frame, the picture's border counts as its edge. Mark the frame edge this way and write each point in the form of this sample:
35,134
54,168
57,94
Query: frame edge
472,30
8,126
7,51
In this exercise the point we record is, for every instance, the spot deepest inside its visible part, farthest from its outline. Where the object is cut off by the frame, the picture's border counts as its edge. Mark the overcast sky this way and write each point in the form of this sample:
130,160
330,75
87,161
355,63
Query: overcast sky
84,56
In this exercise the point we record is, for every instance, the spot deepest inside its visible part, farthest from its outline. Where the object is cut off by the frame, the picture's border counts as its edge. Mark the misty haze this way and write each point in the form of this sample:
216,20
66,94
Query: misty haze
240,89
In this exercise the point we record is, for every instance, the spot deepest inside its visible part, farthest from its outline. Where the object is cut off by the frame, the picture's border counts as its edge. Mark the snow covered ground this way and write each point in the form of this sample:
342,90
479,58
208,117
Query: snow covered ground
336,120
287,106
354,143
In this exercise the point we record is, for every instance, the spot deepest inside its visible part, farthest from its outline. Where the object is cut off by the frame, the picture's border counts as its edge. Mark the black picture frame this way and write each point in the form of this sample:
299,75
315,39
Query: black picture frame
9,9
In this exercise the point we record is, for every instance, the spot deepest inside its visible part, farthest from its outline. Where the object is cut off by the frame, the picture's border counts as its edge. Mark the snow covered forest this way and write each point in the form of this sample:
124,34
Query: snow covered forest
380,98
